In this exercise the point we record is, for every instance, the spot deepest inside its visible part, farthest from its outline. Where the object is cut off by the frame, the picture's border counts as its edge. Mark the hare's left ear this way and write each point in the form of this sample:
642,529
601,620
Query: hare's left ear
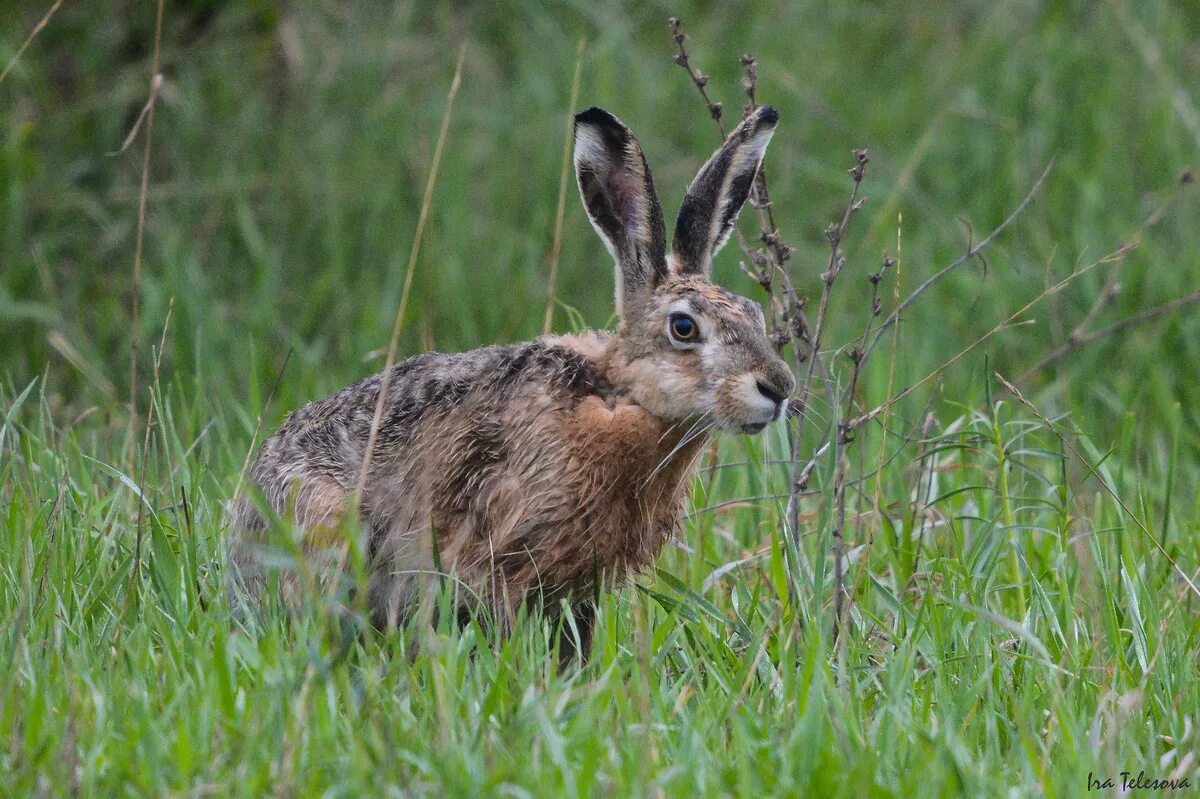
718,192
618,193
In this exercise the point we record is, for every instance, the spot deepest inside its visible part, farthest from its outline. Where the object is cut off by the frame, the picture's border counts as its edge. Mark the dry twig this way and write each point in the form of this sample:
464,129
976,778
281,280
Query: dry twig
698,78
155,83
556,247
973,252
42,23
426,200
1080,338
766,266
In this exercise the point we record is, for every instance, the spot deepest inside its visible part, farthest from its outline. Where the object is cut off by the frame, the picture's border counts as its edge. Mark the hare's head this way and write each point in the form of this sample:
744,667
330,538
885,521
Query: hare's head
689,348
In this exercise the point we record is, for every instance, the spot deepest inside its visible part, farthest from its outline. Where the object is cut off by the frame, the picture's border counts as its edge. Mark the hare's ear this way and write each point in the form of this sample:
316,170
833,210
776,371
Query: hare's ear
718,192
618,194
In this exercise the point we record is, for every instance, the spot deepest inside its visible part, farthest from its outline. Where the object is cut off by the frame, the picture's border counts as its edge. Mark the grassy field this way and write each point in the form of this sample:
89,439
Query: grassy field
1020,616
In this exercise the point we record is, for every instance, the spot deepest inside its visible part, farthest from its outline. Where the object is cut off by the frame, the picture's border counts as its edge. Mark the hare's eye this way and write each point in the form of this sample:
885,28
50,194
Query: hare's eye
684,328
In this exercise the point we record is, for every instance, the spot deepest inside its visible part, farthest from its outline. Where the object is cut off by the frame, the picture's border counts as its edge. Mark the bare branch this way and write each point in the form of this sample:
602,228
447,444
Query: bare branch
698,78
155,83
1078,340
971,253
42,23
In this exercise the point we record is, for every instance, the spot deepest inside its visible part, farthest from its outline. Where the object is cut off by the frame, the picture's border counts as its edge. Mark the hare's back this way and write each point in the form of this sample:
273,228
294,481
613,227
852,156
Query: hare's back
426,391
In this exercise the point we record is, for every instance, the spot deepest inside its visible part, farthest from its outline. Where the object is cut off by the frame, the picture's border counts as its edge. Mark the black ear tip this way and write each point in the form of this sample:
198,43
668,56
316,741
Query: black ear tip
767,115
596,116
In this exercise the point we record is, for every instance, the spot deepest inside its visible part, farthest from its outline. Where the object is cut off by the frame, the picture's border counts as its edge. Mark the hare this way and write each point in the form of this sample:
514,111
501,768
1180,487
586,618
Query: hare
542,471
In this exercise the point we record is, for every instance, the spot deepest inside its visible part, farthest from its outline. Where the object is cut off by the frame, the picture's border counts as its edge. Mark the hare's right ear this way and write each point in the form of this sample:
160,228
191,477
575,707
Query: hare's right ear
619,196
718,192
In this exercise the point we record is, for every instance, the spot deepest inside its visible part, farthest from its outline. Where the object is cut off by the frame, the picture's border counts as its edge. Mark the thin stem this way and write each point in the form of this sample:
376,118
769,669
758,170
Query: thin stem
1006,512
156,80
556,247
1116,256
42,23
701,80
1079,339
972,252
426,200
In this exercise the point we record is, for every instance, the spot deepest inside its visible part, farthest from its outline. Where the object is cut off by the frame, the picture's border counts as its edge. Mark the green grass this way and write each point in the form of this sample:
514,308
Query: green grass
1012,628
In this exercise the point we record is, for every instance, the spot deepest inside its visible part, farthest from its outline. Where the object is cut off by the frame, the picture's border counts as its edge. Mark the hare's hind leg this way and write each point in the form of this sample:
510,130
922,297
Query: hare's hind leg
403,571
309,511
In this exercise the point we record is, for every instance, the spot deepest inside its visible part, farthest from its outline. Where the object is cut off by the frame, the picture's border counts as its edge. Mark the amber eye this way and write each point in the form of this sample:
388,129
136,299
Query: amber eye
684,328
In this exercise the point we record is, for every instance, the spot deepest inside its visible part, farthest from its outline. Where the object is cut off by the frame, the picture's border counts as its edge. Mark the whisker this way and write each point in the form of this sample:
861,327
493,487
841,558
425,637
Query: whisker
796,409
670,429
688,437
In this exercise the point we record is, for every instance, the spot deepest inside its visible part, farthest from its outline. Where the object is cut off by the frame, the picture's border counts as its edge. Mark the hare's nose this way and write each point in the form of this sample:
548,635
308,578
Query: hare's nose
771,393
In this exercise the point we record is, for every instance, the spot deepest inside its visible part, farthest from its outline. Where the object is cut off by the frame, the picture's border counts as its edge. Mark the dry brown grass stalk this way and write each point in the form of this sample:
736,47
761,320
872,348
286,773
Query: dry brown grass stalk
42,23
844,436
156,80
343,550
556,247
835,234
418,234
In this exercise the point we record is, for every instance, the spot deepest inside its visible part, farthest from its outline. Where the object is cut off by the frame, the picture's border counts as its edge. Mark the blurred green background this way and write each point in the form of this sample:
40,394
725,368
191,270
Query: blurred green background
292,141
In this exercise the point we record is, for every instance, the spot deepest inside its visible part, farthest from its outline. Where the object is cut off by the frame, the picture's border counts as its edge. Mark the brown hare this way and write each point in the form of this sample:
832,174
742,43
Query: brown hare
541,471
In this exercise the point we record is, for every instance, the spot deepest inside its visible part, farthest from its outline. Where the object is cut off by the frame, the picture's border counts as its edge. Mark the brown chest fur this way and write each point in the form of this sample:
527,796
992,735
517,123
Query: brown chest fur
584,490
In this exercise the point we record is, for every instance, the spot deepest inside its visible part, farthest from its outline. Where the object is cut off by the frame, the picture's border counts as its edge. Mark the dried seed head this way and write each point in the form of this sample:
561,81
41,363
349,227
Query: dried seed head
676,29
799,331
749,82
861,158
